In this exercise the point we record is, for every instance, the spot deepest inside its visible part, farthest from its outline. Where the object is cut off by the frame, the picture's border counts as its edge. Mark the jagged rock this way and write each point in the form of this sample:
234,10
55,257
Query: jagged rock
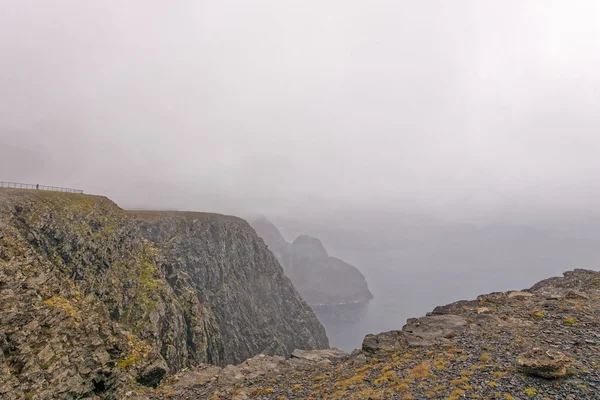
151,375
315,274
575,295
230,375
385,342
359,360
427,331
197,377
261,365
543,363
488,320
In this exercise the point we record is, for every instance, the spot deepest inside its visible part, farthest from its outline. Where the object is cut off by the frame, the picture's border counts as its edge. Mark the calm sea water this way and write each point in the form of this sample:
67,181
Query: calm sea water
405,293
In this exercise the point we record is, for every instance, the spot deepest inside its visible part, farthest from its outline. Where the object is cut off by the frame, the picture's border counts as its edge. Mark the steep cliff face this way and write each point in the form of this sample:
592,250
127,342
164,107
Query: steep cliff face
223,262
88,306
320,279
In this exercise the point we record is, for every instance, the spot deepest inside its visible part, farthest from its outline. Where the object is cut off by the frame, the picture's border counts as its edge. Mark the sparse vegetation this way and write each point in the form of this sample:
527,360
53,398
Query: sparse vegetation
538,314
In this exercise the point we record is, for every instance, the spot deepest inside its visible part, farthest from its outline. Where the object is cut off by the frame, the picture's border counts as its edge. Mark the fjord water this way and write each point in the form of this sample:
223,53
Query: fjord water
410,273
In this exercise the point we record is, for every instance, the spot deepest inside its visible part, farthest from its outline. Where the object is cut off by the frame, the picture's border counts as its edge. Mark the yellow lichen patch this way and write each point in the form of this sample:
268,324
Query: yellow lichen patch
530,391
460,381
63,304
355,380
402,387
261,392
295,388
420,371
456,394
538,314
368,394
385,378
485,357
439,388
440,364
570,321
493,384
138,352
499,374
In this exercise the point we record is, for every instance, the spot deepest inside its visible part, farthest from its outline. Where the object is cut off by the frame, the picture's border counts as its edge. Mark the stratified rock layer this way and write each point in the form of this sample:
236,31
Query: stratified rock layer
88,306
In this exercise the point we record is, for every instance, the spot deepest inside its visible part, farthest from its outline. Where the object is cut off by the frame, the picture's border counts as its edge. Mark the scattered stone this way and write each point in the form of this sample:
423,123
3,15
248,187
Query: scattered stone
385,342
197,377
428,331
319,355
360,360
240,396
230,375
575,295
543,363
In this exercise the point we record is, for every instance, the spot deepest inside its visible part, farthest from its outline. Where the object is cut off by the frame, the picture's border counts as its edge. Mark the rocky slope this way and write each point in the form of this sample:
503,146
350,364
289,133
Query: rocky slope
542,343
89,307
320,279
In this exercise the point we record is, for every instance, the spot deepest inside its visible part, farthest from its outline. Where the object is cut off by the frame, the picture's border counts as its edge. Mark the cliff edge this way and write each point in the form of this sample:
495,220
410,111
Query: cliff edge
90,307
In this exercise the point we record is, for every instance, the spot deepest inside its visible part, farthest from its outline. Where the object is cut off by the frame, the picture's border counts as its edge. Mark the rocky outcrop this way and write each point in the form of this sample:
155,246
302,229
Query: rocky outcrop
543,363
221,261
88,306
540,343
320,279
198,382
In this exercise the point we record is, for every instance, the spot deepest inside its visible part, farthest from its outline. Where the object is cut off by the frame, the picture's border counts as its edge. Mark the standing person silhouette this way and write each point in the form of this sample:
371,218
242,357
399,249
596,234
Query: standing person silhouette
37,186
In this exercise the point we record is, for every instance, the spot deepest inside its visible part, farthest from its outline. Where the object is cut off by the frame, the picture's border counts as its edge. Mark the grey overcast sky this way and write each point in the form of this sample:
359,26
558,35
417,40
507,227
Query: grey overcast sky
444,105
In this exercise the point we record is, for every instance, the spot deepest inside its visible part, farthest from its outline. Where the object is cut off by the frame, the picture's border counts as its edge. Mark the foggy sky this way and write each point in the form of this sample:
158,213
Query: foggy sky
444,106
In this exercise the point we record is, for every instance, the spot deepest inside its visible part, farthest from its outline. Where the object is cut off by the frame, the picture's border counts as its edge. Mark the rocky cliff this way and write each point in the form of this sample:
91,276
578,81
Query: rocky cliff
226,265
88,306
540,343
320,279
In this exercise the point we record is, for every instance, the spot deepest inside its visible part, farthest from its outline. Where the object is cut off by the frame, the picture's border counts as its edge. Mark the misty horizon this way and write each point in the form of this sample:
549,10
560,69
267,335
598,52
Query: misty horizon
461,111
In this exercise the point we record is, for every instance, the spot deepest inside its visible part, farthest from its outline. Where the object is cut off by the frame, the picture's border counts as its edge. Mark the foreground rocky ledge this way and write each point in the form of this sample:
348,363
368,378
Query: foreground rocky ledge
542,343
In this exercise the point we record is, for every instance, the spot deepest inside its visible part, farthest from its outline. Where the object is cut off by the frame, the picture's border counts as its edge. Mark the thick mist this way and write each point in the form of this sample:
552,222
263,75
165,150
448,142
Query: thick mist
459,107
444,148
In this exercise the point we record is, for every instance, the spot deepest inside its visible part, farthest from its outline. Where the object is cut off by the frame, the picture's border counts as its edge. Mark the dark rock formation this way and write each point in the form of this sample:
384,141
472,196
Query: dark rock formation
320,279
88,306
221,261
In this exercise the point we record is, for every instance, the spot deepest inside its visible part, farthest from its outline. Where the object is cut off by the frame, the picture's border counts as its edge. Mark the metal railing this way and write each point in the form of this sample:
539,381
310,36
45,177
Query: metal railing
17,185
